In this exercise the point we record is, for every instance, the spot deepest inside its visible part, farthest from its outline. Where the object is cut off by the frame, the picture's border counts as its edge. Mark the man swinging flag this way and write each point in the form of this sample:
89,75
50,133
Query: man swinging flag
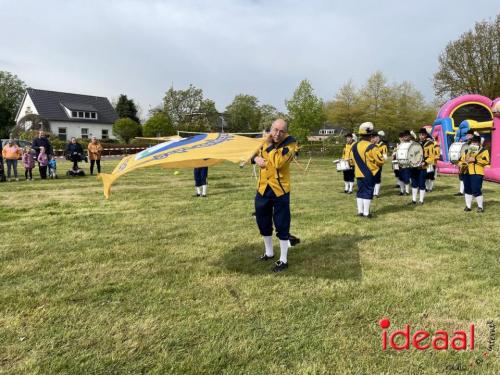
201,150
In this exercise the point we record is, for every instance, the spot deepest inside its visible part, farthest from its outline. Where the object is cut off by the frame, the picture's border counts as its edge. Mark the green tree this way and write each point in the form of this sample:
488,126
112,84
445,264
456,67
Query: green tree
268,114
126,129
374,94
471,64
345,109
11,95
188,110
158,125
305,111
126,108
243,114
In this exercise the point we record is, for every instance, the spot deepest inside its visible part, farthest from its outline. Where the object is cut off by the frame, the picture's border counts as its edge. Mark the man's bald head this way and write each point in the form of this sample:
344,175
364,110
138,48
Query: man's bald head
279,130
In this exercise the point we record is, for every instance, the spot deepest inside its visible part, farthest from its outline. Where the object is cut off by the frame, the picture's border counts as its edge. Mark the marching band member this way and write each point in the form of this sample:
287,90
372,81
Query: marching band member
419,174
349,174
472,163
467,138
405,172
395,165
430,176
367,161
437,157
200,181
376,140
272,200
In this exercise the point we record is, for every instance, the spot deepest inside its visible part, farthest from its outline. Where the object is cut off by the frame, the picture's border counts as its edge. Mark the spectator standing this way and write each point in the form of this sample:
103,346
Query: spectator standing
43,161
11,153
29,163
95,151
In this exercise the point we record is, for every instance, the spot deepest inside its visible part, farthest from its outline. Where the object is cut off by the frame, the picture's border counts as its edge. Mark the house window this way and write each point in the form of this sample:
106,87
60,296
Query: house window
28,110
85,133
61,134
74,114
104,134
87,114
93,115
80,114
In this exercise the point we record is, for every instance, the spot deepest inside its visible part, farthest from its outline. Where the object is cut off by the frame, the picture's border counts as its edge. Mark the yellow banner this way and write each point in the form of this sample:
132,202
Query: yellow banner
201,150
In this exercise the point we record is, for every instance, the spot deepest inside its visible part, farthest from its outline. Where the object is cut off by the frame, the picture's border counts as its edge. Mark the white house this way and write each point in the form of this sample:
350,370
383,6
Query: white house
70,115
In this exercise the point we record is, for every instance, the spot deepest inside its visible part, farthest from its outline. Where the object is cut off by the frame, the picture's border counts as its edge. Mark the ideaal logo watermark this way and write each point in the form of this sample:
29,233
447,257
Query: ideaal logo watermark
423,340
403,339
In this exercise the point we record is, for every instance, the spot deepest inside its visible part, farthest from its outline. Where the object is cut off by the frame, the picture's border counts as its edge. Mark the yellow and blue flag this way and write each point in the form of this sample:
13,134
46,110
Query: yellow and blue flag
201,150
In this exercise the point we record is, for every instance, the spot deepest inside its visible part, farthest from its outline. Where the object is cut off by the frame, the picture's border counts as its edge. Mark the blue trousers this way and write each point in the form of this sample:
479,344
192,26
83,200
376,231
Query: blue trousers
473,183
349,175
378,176
200,176
268,209
365,188
405,175
418,177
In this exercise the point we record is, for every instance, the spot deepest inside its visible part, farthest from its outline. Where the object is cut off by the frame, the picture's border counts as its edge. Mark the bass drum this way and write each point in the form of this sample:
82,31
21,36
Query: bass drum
410,154
456,151
343,165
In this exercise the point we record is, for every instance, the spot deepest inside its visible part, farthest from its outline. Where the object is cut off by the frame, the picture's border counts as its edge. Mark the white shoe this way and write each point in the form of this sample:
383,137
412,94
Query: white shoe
17,179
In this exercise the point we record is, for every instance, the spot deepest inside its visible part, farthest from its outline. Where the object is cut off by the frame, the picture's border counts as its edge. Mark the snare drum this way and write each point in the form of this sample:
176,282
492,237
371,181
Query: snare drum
456,151
343,165
410,154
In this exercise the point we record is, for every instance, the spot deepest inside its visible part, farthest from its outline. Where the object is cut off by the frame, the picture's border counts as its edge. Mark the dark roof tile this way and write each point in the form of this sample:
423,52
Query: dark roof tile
49,105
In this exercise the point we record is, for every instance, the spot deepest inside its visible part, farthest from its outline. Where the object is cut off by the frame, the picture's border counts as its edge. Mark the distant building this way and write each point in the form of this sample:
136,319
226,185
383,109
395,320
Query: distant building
326,131
70,115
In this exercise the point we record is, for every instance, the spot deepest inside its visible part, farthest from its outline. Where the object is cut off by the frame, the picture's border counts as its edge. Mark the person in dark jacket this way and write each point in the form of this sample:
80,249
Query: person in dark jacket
74,152
42,140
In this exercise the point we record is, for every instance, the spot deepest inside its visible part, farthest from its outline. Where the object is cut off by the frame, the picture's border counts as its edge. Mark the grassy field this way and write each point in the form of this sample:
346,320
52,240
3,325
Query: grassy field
156,281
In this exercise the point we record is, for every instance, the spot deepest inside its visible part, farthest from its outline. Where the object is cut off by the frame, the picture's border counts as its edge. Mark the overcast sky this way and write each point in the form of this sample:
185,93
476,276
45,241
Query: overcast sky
262,48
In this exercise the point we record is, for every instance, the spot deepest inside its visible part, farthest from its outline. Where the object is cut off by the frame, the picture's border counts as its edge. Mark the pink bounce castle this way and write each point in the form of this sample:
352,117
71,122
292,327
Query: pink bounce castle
466,112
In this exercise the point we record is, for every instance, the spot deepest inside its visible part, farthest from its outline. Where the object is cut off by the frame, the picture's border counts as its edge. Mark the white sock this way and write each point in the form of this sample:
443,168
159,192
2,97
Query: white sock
284,251
359,202
198,190
407,188
366,206
351,186
377,189
346,186
461,187
268,243
427,184
479,201
414,192
401,186
422,195
431,185
204,190
468,200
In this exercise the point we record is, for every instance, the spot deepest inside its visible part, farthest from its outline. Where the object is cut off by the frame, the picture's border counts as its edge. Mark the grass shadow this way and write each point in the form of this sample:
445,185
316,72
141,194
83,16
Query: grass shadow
334,257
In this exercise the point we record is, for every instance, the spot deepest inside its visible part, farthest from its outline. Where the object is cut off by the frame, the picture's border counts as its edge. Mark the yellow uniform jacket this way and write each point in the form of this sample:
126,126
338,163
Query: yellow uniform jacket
437,152
371,156
346,153
482,159
383,149
429,153
276,173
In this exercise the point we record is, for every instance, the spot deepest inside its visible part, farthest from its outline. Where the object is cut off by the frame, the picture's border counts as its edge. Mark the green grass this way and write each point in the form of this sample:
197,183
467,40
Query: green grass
155,281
